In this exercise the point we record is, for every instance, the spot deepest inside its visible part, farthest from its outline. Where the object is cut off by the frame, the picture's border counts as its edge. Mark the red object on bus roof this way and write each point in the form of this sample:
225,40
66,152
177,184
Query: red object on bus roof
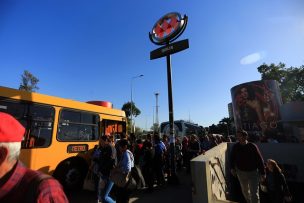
102,103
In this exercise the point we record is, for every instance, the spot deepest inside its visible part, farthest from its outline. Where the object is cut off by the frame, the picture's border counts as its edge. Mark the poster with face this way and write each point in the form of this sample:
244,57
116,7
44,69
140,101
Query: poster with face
256,106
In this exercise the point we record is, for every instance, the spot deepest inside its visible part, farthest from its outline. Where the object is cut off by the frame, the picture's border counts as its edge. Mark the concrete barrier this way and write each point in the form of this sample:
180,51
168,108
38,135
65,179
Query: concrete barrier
210,172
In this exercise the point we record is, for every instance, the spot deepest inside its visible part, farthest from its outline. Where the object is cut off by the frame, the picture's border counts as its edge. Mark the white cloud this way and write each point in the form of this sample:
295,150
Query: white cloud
252,58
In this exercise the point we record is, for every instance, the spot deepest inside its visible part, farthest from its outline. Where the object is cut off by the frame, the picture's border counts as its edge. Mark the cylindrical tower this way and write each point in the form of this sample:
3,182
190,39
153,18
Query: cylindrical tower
256,106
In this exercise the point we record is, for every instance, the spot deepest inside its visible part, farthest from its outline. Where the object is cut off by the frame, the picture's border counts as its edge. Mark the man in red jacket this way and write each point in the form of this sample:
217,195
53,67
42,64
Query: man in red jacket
18,183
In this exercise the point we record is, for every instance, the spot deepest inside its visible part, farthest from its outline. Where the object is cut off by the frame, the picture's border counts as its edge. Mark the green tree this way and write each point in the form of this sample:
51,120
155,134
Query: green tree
28,82
127,108
291,80
155,127
138,131
225,125
213,129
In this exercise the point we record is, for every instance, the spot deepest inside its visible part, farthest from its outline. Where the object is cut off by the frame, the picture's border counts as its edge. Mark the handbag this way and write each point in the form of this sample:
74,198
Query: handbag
89,182
288,198
102,183
118,177
263,186
131,184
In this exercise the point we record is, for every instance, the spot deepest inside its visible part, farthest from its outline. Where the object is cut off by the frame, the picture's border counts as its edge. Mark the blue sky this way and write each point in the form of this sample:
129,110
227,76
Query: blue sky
90,50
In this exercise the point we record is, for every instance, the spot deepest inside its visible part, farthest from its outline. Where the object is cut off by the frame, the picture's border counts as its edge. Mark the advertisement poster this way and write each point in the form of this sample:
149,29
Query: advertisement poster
256,107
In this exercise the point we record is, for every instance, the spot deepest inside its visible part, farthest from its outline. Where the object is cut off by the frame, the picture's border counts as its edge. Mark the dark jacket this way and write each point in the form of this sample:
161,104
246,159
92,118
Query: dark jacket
247,157
276,186
106,161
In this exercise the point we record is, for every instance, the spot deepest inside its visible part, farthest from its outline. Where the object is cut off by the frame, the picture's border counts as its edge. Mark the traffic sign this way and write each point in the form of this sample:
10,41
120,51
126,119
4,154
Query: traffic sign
169,49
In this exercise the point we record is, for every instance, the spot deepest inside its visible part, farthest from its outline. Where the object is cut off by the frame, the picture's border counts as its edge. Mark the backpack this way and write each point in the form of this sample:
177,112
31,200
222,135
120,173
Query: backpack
159,150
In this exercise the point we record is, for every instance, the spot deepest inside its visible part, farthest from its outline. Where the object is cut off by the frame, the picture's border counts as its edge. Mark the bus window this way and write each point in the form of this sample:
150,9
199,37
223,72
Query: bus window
77,126
40,120
36,119
115,128
13,108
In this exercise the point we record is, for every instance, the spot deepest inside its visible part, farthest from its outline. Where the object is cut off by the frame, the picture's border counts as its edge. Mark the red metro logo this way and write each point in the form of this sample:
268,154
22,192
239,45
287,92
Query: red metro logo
168,28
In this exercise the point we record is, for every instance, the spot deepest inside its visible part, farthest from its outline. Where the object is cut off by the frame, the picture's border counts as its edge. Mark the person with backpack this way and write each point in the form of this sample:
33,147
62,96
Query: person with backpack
178,153
147,164
159,160
138,152
18,183
125,165
106,164
94,168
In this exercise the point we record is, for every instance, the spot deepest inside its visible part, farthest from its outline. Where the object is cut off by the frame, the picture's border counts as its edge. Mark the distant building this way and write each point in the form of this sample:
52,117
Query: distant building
292,115
230,110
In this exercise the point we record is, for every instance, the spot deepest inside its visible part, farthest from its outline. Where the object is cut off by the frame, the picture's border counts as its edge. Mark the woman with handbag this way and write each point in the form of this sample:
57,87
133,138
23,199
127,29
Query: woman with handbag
277,187
106,164
124,165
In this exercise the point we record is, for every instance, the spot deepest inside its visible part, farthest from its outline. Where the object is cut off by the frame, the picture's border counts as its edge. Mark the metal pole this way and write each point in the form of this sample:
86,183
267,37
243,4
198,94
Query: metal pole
172,176
131,108
131,122
153,120
156,111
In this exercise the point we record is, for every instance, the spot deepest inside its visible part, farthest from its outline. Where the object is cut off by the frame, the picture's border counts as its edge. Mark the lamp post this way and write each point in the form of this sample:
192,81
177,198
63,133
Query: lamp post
156,113
131,113
227,125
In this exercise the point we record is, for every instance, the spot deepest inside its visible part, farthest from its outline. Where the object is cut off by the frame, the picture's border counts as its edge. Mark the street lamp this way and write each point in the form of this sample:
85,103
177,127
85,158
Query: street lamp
156,114
131,123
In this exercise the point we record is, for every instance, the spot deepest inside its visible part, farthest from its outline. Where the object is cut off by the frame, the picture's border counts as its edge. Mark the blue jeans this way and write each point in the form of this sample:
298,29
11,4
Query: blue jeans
249,181
103,192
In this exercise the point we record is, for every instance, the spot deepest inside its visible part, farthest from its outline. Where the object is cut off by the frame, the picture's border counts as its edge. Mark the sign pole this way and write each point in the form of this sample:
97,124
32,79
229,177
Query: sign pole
172,176
166,30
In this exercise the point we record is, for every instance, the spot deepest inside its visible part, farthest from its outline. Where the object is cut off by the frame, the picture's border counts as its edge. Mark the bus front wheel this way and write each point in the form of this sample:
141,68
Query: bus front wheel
71,174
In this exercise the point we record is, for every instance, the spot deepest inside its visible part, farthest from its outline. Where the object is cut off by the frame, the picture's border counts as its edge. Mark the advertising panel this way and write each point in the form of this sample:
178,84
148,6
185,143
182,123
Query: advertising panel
256,107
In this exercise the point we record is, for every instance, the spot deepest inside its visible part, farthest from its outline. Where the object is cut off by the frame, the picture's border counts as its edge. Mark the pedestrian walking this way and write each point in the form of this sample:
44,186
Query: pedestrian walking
159,160
247,164
106,164
277,188
125,164
148,164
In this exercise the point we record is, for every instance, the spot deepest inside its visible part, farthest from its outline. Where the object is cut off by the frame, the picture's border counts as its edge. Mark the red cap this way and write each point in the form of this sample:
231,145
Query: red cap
10,129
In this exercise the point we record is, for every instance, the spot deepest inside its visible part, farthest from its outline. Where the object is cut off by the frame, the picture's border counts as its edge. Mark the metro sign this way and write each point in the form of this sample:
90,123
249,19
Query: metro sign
168,28
169,49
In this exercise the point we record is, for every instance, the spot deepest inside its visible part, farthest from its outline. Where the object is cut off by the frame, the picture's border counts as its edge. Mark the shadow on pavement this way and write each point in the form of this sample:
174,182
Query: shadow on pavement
181,193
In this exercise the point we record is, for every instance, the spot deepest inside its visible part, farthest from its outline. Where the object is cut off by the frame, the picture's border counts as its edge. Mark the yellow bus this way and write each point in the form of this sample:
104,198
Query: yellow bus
60,133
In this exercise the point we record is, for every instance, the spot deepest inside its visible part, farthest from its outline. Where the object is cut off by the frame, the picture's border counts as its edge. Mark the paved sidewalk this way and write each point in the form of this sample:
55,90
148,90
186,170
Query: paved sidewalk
181,193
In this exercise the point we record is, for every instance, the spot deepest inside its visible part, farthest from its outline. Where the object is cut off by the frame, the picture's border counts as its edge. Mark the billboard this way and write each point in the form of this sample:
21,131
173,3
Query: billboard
256,106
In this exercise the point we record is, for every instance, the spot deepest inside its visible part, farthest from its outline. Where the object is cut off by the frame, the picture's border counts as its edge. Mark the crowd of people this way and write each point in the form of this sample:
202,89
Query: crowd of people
150,156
